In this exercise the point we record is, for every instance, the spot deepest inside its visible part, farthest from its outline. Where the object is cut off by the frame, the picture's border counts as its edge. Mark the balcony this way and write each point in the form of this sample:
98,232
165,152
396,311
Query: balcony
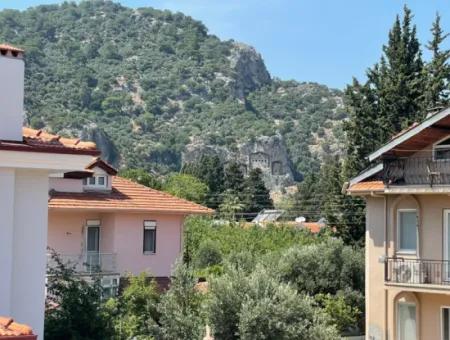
416,171
417,272
87,264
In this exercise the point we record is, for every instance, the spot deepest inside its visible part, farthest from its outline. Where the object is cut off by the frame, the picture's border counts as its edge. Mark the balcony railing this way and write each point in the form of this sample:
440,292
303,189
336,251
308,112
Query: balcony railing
87,263
416,171
417,272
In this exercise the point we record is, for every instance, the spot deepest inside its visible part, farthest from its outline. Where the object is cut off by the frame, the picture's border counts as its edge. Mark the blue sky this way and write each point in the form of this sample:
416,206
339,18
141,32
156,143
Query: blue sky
325,41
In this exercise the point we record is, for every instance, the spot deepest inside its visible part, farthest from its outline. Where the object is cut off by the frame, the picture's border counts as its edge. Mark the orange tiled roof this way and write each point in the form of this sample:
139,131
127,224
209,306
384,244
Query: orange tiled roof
13,330
366,186
10,48
128,196
41,141
313,227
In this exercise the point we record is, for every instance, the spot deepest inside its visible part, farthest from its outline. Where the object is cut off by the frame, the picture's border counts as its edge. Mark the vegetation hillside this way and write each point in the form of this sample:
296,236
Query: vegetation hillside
143,83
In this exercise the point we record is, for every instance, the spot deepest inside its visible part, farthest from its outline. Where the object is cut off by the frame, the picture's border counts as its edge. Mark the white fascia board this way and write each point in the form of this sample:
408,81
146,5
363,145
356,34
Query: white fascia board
422,126
370,172
51,162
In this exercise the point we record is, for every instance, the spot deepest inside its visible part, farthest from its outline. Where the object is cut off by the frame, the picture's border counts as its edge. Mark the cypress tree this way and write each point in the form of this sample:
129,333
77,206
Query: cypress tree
233,179
256,196
438,70
391,99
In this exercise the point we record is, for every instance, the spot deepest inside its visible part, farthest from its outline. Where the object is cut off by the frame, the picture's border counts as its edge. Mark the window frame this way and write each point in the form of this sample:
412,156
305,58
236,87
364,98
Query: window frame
400,250
145,228
443,146
442,320
398,316
96,185
93,223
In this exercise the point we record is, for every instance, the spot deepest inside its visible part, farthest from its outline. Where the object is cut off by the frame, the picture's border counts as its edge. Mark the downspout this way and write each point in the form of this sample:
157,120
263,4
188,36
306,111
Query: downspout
385,222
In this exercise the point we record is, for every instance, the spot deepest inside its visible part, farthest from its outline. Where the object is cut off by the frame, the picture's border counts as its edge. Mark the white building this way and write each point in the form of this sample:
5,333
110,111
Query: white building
27,158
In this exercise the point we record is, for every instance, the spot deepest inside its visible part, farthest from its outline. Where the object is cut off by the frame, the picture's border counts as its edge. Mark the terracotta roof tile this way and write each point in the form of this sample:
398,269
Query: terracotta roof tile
128,196
13,330
8,47
313,227
366,186
41,141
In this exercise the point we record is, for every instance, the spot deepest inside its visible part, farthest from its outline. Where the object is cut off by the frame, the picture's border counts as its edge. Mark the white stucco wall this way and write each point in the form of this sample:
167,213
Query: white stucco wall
66,184
11,98
7,190
23,207
24,185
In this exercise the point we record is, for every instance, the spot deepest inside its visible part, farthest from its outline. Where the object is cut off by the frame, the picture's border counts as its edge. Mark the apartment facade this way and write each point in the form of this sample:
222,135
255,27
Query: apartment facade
407,191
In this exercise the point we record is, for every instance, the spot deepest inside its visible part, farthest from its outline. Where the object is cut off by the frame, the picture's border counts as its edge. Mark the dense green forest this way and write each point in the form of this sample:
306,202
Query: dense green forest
143,82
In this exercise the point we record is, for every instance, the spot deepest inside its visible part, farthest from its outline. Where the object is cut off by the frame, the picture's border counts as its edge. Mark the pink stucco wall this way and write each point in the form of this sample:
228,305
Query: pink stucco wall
129,240
121,233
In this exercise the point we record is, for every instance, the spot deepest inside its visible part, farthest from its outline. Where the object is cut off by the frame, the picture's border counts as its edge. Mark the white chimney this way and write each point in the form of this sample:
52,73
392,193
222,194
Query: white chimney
11,92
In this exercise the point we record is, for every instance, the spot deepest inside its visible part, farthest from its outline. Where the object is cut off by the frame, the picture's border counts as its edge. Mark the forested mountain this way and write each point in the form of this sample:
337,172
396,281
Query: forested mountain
143,83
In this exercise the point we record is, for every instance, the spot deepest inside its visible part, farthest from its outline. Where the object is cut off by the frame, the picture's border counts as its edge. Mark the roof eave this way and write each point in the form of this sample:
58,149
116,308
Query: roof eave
400,139
131,210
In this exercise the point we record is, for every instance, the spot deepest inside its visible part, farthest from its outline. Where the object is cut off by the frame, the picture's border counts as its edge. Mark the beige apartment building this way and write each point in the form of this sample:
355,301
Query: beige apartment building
407,191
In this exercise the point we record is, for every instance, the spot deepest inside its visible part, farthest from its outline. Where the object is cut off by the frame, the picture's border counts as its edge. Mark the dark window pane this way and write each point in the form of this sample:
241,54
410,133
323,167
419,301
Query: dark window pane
442,154
93,239
149,240
101,180
445,324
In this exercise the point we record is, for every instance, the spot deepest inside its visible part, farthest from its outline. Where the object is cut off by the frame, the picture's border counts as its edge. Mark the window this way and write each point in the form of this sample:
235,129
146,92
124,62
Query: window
96,182
407,231
406,321
101,180
441,150
149,237
445,320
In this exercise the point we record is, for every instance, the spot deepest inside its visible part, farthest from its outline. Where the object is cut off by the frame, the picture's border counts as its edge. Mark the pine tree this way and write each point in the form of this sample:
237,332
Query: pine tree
437,70
256,196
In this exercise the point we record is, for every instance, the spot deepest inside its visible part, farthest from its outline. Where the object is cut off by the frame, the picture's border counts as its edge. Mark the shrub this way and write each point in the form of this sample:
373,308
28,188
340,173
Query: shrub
208,254
182,316
321,268
135,312
73,306
259,306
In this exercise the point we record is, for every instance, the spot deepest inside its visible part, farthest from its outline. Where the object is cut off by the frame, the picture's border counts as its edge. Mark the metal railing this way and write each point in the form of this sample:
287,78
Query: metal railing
416,170
87,263
417,271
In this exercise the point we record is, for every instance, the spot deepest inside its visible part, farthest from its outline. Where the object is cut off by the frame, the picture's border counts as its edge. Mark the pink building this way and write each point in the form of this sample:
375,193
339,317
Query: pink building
110,225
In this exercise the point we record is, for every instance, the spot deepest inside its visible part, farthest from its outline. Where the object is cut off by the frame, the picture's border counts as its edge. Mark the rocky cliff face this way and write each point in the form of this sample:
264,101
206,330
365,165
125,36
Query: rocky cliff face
104,143
249,68
266,153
